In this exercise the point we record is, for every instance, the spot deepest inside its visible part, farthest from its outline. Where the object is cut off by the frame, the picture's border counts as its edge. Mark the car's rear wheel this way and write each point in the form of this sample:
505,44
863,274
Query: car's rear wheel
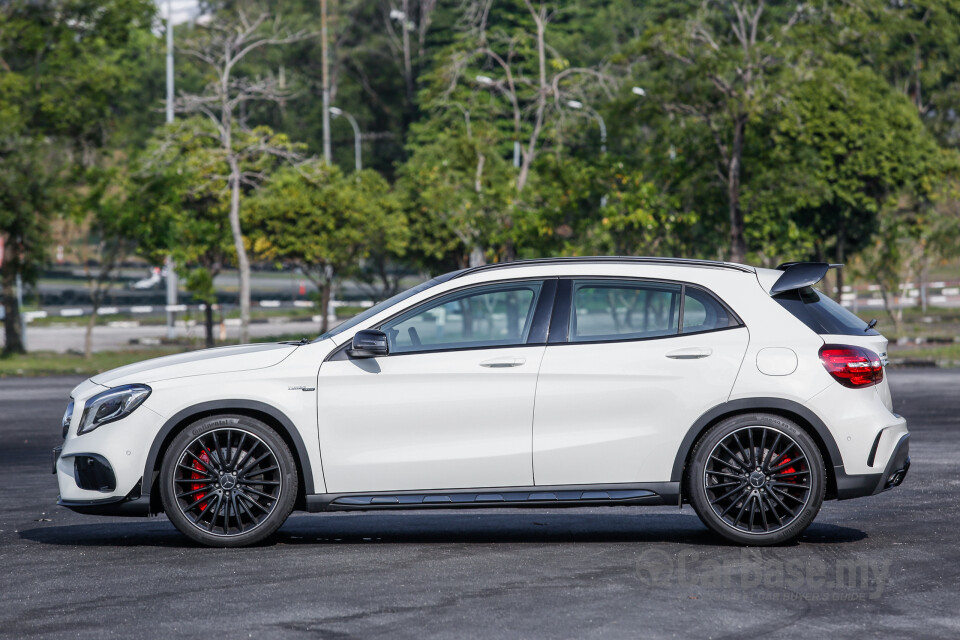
228,481
756,479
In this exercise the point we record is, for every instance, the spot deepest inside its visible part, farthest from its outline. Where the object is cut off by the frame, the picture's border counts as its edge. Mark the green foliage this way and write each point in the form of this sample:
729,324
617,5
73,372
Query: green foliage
869,145
313,216
457,192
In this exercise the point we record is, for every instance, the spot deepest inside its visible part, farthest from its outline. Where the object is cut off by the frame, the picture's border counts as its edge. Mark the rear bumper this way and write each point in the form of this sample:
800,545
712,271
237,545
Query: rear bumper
870,484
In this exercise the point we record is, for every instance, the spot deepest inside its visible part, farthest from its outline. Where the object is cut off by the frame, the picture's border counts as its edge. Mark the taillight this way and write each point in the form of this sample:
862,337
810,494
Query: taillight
853,367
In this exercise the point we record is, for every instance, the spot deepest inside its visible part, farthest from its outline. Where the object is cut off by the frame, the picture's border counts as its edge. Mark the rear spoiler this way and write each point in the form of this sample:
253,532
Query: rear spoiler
797,275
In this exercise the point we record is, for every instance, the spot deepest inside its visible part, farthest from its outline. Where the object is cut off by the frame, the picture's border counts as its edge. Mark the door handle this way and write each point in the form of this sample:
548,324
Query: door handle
502,363
689,353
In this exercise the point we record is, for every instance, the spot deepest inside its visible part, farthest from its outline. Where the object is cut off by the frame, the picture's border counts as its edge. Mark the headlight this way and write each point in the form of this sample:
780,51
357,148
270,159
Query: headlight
111,406
67,415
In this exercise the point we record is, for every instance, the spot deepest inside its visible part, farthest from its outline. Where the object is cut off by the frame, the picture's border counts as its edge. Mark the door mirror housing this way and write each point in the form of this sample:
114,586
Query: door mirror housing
368,343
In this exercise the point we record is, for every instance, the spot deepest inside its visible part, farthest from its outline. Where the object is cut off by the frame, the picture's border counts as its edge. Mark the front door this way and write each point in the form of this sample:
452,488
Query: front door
450,407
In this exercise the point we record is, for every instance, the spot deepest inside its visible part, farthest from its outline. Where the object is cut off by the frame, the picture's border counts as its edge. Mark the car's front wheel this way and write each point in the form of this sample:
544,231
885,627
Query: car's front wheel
228,481
756,479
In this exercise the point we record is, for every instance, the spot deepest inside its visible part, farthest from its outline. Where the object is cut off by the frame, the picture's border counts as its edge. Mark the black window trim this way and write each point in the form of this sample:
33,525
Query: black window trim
539,325
563,305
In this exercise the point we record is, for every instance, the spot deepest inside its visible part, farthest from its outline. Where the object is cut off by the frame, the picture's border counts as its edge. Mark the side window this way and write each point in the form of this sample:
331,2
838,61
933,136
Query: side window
488,316
619,310
702,312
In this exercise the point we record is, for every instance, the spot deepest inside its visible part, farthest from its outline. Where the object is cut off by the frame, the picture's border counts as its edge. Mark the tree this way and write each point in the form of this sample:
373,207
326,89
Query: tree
869,146
314,217
62,66
913,45
221,46
180,179
457,193
115,221
31,177
635,219
719,64
514,114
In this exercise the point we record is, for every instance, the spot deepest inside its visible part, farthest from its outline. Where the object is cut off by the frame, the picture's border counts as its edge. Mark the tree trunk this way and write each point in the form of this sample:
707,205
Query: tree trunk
324,305
888,299
407,65
841,247
88,335
477,256
208,324
243,263
738,245
11,319
923,285
531,150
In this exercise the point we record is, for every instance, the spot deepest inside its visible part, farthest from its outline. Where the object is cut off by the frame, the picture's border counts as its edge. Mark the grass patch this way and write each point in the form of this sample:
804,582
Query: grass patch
935,323
947,355
48,363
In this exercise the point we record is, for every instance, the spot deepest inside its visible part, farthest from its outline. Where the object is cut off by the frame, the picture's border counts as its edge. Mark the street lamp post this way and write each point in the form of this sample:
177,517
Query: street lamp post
576,104
490,82
336,111
171,271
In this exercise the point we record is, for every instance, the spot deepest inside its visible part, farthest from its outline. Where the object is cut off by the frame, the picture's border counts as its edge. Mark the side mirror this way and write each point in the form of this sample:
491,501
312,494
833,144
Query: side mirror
368,343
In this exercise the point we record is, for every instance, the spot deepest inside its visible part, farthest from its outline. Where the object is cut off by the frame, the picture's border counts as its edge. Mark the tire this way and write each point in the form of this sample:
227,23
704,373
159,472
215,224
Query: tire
756,479
228,481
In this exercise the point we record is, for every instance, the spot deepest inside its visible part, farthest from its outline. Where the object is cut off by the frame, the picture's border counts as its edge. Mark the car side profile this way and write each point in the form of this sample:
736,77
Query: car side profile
742,391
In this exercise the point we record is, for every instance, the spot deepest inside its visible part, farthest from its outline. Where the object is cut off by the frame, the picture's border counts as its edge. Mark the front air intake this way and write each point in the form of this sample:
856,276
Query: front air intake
93,473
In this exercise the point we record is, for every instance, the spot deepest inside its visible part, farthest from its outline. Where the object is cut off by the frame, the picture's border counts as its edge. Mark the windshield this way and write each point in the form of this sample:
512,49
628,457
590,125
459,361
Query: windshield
389,302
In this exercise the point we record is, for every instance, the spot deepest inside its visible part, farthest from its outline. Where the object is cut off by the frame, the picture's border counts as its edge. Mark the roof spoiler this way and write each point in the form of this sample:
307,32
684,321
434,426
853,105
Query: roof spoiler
797,275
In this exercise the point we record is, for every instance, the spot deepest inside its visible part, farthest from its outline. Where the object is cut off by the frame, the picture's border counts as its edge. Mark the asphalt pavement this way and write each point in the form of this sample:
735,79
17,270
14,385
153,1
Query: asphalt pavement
887,566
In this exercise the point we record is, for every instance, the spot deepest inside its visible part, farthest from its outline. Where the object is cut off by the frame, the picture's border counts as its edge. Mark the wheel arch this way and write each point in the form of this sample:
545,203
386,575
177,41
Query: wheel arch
266,413
804,417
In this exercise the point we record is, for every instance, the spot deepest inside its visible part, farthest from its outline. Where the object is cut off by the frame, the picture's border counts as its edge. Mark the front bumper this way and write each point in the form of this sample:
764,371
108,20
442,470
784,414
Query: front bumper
870,484
137,507
102,471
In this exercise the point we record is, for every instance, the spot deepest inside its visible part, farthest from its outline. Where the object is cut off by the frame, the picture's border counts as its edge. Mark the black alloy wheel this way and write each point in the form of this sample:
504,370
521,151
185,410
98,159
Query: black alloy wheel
228,481
756,479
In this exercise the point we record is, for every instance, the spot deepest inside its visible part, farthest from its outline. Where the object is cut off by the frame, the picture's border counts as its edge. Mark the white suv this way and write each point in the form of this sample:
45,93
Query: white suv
559,382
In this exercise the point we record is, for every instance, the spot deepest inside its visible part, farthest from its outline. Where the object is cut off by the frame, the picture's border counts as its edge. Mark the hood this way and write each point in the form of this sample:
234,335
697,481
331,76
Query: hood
197,363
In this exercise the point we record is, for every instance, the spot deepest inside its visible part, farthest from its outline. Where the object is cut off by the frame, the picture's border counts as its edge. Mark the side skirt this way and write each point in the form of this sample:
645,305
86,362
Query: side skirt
650,493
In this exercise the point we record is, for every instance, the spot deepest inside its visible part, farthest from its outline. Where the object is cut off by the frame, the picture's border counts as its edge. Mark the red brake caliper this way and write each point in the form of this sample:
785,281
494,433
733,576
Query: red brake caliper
196,476
785,460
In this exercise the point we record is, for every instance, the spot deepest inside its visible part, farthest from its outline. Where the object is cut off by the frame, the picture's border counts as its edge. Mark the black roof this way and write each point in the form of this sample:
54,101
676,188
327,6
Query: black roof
679,262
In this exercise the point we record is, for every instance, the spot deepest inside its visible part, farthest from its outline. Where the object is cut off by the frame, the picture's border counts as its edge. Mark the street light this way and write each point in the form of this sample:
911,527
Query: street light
171,268
576,104
490,82
336,111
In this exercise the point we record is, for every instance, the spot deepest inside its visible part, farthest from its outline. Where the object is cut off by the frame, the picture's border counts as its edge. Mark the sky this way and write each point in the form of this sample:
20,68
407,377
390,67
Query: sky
183,10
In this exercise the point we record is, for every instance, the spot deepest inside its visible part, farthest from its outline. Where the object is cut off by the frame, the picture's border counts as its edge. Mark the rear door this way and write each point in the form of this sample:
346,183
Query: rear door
630,365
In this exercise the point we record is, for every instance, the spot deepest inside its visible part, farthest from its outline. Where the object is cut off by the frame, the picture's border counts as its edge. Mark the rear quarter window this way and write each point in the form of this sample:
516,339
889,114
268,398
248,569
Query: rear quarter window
819,312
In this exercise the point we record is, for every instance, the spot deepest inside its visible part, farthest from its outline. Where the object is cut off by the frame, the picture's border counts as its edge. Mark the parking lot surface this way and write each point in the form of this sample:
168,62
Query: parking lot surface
887,566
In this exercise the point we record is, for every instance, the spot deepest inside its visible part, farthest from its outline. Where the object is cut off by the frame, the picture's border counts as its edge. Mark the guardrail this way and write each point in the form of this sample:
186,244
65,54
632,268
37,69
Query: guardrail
78,312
